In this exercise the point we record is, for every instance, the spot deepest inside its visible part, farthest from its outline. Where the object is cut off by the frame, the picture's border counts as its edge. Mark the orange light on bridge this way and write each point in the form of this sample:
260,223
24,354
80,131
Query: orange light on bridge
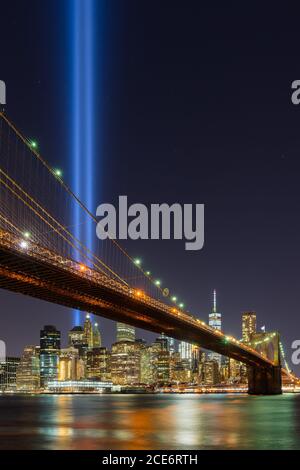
139,293
82,268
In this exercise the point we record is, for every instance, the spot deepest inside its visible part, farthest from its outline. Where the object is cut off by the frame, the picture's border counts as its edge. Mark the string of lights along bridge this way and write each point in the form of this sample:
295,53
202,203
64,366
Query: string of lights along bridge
41,255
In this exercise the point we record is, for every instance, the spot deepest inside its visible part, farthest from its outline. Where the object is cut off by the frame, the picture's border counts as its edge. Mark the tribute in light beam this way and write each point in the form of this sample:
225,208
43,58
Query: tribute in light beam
83,112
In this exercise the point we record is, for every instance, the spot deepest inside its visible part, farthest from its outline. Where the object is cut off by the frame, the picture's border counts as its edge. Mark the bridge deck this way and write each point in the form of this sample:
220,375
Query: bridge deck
38,272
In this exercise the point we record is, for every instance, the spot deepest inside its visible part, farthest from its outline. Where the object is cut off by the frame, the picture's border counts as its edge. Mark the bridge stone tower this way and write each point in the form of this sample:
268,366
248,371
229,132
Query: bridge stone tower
266,381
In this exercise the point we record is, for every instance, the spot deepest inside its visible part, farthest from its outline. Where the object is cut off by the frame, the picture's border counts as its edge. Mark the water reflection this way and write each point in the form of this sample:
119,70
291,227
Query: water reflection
150,422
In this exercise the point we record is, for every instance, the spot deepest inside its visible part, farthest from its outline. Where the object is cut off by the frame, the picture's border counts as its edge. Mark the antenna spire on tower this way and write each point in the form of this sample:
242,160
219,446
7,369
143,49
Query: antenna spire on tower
215,301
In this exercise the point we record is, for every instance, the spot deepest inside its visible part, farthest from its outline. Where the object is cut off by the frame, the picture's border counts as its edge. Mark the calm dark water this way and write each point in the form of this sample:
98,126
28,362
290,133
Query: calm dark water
150,422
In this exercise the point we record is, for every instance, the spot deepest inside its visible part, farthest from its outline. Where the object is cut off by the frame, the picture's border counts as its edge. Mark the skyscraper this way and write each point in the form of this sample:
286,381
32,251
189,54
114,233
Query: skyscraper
215,321
125,332
248,326
125,362
96,336
49,354
171,342
211,373
163,365
8,374
98,364
88,331
76,336
77,339
185,350
163,342
215,318
28,371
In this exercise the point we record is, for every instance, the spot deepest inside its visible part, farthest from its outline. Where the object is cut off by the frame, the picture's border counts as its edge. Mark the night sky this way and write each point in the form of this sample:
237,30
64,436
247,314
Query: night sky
194,106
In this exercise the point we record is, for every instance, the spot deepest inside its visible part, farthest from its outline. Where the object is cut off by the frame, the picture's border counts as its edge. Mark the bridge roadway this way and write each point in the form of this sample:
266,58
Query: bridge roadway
38,272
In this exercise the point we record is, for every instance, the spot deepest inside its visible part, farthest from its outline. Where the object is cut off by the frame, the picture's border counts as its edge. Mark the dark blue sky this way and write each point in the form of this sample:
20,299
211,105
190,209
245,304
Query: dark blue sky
195,108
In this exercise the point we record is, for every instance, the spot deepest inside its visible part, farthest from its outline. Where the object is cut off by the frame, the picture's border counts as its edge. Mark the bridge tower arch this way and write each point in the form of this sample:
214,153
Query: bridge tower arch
266,380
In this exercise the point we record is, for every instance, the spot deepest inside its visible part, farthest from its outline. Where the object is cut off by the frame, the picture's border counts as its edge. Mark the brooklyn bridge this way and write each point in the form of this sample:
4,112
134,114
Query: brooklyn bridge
43,255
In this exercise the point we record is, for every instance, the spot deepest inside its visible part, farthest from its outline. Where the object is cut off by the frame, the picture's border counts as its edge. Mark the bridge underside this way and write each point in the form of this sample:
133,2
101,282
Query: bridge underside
21,273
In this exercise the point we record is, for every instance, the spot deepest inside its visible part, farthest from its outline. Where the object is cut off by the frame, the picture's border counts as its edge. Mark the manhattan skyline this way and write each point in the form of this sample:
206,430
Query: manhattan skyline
167,127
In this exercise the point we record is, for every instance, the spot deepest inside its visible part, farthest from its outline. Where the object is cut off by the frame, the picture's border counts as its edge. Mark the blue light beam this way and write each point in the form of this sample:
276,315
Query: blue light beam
83,112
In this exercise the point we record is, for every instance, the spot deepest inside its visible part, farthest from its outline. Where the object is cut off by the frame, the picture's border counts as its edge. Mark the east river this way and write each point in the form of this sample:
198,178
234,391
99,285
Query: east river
149,422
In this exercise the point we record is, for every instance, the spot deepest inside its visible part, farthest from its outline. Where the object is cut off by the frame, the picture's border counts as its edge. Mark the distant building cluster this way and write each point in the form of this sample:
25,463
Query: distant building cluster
87,366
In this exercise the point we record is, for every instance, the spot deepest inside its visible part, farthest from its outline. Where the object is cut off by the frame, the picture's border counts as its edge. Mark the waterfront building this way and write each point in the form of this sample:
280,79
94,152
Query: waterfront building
71,367
80,386
97,364
248,326
125,363
180,370
8,374
125,332
49,354
28,371
211,373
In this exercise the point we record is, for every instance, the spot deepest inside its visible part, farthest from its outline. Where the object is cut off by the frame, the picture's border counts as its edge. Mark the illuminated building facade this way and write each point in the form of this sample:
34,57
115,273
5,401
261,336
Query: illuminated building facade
171,342
125,363
28,371
180,370
211,373
96,336
215,321
49,354
81,386
185,351
163,342
163,366
125,332
248,326
97,364
77,339
71,367
76,336
88,331
149,357
236,371
8,374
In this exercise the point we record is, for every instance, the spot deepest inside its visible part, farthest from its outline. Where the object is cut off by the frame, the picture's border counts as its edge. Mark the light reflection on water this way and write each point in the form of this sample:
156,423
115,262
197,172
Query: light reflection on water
150,422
